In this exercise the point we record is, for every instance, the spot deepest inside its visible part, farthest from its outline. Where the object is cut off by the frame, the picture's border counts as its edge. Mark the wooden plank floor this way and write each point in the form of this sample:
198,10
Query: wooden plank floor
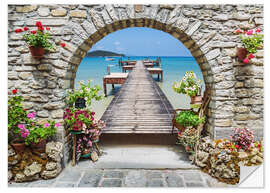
139,106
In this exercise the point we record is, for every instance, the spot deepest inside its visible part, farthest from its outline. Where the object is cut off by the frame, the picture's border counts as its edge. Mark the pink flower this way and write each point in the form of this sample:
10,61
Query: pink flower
46,125
93,113
258,30
21,126
31,115
57,125
250,32
246,61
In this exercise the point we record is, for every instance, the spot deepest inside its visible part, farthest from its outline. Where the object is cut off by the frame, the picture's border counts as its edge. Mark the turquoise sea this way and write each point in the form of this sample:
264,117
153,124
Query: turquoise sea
174,68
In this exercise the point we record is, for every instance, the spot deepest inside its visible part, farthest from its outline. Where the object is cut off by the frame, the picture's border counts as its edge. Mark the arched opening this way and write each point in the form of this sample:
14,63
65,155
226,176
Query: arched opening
138,43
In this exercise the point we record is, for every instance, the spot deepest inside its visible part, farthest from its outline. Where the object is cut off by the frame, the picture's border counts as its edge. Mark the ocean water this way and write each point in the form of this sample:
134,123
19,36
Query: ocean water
174,69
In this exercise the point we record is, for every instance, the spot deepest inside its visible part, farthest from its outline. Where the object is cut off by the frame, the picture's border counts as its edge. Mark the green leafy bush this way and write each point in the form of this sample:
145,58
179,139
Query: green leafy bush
85,91
189,118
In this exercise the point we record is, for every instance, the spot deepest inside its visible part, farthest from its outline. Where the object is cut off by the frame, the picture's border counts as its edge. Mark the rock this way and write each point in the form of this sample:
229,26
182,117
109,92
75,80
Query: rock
213,54
60,12
242,155
51,166
51,174
57,113
94,156
260,154
254,151
23,178
78,14
259,159
11,151
10,175
254,160
14,160
26,9
138,8
33,169
54,151
43,11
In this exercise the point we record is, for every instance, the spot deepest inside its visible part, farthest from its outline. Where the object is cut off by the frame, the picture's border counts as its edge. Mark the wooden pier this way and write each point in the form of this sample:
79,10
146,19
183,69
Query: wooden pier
139,106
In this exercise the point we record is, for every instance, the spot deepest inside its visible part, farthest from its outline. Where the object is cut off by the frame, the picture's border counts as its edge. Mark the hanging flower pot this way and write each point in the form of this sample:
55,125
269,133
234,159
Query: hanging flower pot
18,146
80,103
241,53
196,99
40,146
37,52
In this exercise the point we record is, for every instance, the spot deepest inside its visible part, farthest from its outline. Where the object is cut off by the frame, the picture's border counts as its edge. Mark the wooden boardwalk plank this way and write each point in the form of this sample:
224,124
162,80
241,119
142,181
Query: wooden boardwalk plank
139,106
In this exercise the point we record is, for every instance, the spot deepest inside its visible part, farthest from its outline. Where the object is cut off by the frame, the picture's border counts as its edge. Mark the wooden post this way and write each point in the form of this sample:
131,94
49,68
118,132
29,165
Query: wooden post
104,87
74,150
161,76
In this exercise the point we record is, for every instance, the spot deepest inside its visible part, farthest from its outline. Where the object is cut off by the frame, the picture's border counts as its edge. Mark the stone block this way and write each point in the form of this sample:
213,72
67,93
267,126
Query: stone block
59,12
26,8
113,174
193,27
43,11
78,13
91,179
174,180
111,183
223,122
213,54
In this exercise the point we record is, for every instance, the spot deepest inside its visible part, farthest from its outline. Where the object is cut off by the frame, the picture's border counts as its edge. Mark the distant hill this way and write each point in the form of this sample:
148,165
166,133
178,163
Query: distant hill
102,53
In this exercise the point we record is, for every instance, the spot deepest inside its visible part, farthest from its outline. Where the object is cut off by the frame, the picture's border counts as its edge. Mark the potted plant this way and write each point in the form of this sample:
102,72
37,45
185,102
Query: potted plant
39,133
77,119
37,40
83,95
188,139
251,40
89,136
17,116
189,85
186,118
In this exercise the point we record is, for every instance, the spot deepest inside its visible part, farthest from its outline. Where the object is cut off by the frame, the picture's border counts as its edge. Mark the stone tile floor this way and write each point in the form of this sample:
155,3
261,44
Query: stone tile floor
72,177
132,166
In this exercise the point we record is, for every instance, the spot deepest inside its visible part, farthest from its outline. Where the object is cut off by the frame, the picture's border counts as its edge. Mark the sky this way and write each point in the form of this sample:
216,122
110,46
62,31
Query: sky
141,41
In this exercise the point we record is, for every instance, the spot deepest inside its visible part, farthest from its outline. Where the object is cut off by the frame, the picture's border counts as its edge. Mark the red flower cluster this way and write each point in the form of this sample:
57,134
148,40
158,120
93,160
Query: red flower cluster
19,30
63,45
78,118
14,91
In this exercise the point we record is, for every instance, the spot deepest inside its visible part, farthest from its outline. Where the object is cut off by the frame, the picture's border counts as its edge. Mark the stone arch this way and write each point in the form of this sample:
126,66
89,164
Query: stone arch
206,30
185,37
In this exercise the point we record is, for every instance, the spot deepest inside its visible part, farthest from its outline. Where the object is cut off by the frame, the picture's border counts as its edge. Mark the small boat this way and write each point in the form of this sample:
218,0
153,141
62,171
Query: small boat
109,59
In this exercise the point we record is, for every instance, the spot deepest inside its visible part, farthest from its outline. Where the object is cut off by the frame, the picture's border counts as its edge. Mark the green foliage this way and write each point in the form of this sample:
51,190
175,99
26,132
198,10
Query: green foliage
252,42
189,84
16,114
39,39
188,139
85,91
38,132
189,118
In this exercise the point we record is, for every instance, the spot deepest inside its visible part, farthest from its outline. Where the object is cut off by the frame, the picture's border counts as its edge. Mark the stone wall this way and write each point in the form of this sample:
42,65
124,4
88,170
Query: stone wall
206,30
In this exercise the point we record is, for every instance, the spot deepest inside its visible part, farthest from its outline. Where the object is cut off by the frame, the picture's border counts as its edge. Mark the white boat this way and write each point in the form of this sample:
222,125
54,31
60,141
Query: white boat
109,59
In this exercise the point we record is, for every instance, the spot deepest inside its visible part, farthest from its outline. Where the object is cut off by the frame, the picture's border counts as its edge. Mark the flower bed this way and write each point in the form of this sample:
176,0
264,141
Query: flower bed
222,158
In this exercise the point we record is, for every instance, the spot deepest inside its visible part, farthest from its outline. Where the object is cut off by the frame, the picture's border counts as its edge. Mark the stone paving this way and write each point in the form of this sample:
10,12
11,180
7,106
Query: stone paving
72,177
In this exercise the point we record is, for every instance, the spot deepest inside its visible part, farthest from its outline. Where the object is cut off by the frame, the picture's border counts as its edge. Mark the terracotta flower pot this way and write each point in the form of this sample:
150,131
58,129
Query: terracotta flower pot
80,103
196,100
18,146
241,53
37,52
40,146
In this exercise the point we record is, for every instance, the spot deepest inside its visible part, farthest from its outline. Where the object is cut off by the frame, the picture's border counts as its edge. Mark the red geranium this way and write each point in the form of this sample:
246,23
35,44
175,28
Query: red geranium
238,31
47,28
26,28
62,45
38,24
14,91
18,30
250,56
258,30
41,28
33,32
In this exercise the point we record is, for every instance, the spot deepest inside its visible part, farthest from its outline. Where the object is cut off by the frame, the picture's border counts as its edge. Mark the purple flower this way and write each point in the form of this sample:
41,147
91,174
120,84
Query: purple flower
46,125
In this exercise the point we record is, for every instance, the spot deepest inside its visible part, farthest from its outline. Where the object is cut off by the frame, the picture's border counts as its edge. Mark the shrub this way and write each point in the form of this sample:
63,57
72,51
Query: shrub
189,118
